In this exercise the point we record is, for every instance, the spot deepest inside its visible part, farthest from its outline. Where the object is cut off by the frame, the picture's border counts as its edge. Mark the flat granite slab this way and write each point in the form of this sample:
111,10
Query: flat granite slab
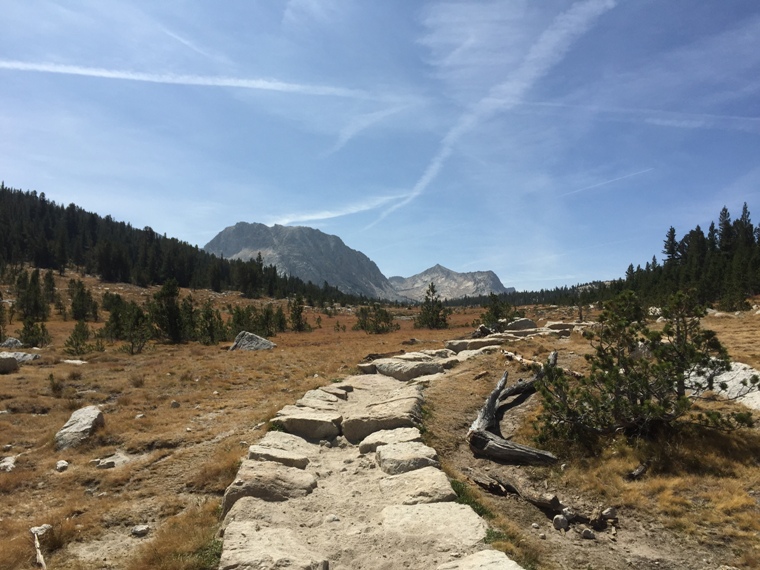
451,523
249,547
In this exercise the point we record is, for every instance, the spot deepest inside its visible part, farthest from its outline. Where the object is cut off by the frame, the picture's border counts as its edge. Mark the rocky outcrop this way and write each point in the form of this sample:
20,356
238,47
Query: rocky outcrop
404,457
483,560
8,464
79,427
21,357
11,342
249,341
248,546
8,365
269,481
350,464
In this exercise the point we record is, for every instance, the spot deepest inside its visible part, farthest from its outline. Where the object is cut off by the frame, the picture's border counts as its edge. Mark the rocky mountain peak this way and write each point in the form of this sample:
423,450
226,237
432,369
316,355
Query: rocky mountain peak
312,255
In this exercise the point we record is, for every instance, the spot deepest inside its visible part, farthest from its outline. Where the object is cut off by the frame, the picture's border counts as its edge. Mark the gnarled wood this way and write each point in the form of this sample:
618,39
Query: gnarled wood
501,485
489,445
484,437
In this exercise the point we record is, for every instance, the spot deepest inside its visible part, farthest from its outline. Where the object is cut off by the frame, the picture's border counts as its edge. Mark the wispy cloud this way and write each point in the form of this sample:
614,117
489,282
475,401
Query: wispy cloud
178,79
355,208
360,123
657,117
605,182
547,51
304,12
187,43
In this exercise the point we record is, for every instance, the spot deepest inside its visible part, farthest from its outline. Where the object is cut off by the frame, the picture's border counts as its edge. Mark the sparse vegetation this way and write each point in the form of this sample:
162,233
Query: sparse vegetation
433,313
375,320
641,381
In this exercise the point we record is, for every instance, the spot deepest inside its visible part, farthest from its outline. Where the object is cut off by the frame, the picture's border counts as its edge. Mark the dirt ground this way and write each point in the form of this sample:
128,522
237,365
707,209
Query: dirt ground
183,457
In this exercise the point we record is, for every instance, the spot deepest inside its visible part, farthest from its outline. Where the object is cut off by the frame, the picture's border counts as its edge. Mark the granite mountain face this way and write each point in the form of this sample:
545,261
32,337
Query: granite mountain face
306,253
312,255
449,284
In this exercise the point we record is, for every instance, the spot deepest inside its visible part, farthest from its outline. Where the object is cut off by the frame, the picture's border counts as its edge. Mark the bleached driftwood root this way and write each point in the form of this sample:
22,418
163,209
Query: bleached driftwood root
484,437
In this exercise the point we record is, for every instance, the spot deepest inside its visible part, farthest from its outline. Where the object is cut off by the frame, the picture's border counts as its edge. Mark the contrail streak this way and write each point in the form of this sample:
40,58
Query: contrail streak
178,79
606,182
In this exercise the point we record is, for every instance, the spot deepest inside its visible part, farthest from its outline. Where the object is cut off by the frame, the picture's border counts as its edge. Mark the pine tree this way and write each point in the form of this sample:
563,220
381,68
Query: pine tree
671,246
433,314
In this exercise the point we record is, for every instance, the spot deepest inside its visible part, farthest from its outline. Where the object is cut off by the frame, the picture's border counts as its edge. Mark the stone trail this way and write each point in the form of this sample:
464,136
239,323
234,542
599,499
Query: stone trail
349,485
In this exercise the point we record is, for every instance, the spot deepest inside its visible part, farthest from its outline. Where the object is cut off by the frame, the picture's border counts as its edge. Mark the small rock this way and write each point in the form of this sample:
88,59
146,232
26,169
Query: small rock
175,404
569,513
588,534
61,466
139,416
7,447
560,522
609,513
332,518
40,530
542,536
8,464
536,525
140,530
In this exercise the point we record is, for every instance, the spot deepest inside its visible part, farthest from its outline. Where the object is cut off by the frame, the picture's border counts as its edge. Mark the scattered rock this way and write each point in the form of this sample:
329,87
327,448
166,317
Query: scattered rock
426,485
309,423
588,534
249,341
140,530
474,344
401,369
116,460
8,365
560,522
400,409
403,457
246,546
82,423
520,325
288,442
11,342
21,357
483,560
449,524
287,458
8,464
388,436
40,530
339,393
61,466
609,513
174,404
268,481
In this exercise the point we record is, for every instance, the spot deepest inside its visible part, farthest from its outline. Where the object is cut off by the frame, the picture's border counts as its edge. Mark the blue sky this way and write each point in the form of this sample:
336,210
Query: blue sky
553,142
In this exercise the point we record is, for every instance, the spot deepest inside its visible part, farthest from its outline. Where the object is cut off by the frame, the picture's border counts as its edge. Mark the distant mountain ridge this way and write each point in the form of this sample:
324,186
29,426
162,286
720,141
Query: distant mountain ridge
449,284
306,253
312,255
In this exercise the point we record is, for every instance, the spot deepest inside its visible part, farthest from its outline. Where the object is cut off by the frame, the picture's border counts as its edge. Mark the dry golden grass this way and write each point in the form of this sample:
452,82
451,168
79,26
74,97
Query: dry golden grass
180,455
184,457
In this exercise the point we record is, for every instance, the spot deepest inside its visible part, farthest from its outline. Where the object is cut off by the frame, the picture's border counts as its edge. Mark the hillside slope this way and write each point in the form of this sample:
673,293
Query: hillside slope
306,253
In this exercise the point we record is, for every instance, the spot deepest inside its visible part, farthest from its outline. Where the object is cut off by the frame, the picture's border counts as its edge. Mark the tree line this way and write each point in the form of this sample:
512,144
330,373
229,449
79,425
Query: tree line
719,268
46,235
